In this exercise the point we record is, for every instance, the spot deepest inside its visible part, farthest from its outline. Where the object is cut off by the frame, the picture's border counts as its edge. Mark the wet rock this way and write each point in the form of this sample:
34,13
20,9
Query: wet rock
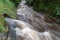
2,36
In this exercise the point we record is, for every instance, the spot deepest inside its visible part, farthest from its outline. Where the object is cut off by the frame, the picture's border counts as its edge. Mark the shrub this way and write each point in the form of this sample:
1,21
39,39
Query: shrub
48,6
8,7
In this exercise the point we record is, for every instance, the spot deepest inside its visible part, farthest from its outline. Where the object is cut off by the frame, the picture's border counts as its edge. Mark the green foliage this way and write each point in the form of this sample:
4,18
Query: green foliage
2,28
8,7
2,21
57,10
16,2
48,6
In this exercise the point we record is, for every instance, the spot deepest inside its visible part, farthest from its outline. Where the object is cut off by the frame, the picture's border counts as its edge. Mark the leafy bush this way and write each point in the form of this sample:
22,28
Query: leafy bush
6,7
16,2
2,28
48,6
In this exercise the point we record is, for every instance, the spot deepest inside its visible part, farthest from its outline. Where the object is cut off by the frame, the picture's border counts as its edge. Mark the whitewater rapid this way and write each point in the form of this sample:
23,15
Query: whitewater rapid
31,25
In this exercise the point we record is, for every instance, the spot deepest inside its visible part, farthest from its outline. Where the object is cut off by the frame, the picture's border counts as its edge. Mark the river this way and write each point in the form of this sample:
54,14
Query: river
32,25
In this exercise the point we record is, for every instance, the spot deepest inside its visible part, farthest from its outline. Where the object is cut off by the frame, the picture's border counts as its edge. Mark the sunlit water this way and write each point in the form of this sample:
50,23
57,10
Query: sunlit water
31,25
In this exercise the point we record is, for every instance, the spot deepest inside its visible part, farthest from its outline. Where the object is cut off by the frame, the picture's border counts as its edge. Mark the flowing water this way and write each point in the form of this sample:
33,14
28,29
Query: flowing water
32,25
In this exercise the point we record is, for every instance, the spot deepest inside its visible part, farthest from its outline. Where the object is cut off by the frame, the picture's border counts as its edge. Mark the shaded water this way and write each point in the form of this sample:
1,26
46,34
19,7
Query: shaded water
32,25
